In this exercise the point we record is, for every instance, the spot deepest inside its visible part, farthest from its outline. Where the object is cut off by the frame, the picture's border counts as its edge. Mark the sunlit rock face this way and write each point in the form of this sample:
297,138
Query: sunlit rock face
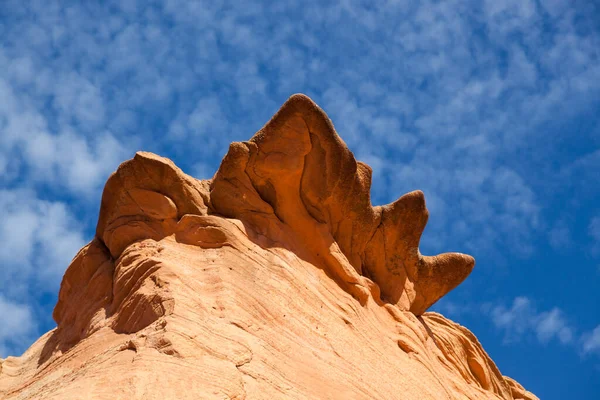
276,279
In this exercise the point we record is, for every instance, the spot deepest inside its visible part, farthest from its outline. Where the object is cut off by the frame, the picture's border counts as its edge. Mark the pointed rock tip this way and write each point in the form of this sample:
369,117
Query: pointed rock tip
300,99
302,104
438,275
149,156
416,199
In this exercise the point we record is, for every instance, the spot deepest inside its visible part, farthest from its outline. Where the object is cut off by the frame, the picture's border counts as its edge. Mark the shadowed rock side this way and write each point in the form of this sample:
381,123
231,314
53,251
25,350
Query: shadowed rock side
275,279
297,175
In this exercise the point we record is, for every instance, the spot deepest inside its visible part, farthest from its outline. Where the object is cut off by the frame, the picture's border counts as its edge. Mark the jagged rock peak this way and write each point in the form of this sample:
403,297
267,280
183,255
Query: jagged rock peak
276,278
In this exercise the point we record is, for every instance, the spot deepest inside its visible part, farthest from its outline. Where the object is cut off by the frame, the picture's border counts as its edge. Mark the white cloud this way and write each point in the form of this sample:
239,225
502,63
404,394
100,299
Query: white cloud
452,309
522,320
505,17
202,170
79,101
594,232
555,7
63,159
551,325
594,228
516,320
72,161
591,342
39,240
559,236
522,72
206,120
18,327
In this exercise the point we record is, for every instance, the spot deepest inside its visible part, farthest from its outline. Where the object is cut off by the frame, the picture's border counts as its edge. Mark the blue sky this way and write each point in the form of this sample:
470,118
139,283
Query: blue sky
491,108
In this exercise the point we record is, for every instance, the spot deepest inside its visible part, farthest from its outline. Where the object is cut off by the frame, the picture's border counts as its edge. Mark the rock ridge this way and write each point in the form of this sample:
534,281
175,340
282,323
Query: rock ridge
234,282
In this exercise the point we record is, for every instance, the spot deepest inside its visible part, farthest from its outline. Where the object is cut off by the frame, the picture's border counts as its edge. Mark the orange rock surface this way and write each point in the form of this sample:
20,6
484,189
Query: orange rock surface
276,279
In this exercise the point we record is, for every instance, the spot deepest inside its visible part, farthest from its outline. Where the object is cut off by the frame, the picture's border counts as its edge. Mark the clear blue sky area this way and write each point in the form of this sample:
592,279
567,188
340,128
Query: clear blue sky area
490,107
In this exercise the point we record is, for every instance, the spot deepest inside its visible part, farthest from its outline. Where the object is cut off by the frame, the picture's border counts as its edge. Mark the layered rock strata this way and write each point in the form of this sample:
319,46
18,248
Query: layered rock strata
276,278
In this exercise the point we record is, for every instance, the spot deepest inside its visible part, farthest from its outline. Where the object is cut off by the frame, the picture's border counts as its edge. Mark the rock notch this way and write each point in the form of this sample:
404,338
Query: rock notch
276,278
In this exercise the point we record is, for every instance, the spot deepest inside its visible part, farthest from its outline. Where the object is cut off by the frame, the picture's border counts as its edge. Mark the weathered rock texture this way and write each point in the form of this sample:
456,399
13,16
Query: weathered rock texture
275,279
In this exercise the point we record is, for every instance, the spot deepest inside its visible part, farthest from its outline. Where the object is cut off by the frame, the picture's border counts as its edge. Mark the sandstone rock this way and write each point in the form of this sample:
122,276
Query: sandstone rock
275,279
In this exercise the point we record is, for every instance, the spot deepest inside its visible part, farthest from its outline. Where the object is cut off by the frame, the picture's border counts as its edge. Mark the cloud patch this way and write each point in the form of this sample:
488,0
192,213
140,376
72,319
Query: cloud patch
18,326
39,239
521,320
591,342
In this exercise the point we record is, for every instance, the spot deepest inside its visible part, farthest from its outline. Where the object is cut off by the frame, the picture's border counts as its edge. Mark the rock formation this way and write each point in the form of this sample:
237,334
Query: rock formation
276,279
